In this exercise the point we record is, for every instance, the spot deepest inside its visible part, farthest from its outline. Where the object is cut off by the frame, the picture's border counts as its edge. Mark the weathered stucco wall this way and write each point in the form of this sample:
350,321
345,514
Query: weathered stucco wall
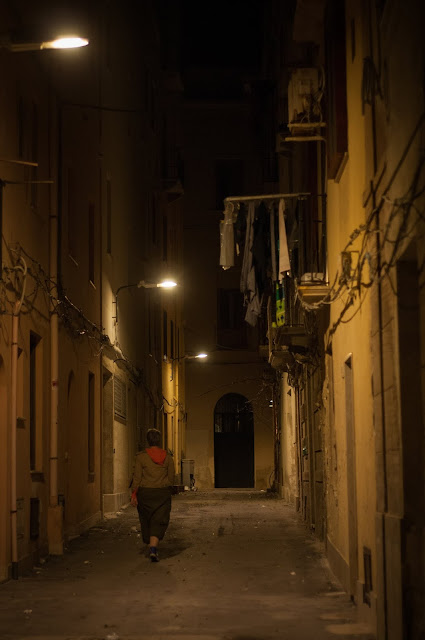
349,434
207,386
289,446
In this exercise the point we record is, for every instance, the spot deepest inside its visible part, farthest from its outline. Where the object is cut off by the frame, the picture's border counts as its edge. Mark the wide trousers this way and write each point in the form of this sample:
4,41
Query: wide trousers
154,508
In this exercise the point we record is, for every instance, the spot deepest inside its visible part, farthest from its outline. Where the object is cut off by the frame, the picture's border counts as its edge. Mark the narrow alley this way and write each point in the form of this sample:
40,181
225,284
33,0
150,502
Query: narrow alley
235,565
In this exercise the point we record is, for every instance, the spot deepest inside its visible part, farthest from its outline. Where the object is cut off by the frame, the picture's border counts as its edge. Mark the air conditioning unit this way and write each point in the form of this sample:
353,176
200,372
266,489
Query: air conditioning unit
304,97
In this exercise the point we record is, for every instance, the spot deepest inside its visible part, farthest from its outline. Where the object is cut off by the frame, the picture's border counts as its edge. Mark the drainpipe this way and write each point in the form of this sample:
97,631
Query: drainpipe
55,510
13,417
55,513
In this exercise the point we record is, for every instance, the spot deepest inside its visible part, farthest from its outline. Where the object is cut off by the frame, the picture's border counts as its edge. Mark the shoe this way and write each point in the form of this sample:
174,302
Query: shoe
153,553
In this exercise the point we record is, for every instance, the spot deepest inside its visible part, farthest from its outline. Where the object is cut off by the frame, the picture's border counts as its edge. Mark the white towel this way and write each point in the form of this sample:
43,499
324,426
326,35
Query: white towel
227,240
284,264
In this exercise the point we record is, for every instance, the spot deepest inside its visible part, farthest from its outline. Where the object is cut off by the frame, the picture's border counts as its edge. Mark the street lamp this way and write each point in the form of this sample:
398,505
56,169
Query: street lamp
165,284
142,284
199,356
63,42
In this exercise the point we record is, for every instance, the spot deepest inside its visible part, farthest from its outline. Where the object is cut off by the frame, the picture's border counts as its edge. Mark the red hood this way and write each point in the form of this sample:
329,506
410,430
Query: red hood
156,454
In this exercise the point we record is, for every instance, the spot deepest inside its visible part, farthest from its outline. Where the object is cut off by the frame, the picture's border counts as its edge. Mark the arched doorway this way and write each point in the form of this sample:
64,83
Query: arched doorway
233,442
72,453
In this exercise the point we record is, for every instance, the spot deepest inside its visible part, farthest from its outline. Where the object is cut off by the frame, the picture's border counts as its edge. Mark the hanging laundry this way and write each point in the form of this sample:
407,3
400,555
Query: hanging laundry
240,229
261,247
273,243
248,278
280,305
247,255
284,263
227,240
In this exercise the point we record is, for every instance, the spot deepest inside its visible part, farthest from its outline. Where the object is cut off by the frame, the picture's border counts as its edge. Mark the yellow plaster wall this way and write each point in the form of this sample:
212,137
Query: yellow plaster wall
289,446
208,383
346,213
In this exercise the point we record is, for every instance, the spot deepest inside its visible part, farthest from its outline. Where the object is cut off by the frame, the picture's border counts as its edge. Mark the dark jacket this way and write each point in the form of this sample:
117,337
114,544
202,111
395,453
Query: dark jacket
153,468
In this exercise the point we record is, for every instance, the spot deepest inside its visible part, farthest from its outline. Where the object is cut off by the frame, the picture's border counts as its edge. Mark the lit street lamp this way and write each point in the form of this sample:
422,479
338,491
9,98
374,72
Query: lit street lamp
142,284
165,284
198,356
64,42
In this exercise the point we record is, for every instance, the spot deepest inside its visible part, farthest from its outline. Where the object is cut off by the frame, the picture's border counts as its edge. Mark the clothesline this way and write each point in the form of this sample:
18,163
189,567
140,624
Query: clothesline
270,196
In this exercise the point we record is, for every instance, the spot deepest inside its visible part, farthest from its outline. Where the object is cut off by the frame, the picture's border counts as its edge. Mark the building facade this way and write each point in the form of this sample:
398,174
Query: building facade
229,394
349,104
90,216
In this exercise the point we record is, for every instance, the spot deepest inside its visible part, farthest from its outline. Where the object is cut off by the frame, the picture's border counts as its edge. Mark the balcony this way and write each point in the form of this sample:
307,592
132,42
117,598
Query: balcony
307,247
288,338
172,169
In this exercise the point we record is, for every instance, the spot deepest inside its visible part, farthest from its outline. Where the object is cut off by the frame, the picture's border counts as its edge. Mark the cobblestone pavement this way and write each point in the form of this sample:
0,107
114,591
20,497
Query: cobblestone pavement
235,565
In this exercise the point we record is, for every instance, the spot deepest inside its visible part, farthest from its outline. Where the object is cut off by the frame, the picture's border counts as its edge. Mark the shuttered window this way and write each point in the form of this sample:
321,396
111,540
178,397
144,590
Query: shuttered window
120,399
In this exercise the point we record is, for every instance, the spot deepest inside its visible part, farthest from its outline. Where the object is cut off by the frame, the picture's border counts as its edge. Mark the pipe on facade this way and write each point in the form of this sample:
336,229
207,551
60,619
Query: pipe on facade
54,363
13,418
55,511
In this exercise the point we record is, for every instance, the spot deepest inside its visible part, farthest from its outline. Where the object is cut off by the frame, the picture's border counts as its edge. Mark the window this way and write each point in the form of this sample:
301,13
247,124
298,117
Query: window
20,403
336,86
178,342
233,414
164,238
90,430
21,124
154,109
150,340
91,241
172,340
72,218
228,179
108,44
154,222
231,326
165,431
34,156
120,400
108,216
353,38
36,402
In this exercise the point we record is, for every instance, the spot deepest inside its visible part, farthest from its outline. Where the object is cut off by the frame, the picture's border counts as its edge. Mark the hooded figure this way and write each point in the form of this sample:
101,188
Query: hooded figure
152,483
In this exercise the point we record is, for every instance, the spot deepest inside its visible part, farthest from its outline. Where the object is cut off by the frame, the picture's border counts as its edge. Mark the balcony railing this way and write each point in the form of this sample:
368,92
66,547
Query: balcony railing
307,239
306,233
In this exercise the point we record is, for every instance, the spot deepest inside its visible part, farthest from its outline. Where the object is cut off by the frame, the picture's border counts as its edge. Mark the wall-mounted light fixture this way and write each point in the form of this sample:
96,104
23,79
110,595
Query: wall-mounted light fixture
165,284
142,284
62,42
199,356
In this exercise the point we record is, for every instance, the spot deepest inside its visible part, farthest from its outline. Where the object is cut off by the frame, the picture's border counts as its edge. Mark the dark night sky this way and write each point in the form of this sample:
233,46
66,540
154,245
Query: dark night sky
221,34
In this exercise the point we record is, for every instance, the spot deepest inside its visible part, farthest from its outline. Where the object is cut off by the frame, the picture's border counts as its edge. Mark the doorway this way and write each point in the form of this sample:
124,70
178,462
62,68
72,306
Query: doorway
411,374
351,476
233,442
72,453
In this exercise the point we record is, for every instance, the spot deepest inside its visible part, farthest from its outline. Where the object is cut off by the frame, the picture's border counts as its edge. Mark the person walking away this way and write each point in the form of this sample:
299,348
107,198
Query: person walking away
151,487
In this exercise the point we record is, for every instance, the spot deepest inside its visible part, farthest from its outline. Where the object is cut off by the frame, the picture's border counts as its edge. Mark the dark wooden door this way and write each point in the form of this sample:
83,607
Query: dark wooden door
233,442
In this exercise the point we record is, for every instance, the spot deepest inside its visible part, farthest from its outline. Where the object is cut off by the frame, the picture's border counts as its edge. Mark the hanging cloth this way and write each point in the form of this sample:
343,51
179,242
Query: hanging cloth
261,247
284,263
247,254
227,240
280,305
273,244
249,286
